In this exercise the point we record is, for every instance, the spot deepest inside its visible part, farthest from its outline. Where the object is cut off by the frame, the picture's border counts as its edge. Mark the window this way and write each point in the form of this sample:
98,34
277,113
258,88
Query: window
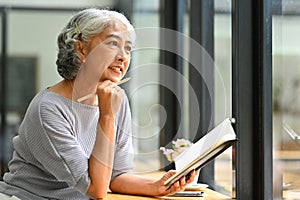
236,35
143,90
152,99
286,99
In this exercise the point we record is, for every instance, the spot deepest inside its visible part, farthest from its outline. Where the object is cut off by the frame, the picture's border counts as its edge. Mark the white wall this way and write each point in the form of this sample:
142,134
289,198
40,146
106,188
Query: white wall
56,3
34,33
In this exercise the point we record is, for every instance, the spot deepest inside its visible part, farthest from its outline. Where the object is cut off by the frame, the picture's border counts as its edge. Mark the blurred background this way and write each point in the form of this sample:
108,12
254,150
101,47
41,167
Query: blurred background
29,29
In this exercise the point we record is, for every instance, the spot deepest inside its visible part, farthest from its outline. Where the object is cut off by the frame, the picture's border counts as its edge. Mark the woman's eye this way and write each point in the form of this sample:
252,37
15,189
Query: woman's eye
113,43
128,48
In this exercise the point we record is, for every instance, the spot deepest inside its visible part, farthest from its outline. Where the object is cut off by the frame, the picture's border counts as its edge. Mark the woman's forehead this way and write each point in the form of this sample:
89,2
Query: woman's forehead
117,32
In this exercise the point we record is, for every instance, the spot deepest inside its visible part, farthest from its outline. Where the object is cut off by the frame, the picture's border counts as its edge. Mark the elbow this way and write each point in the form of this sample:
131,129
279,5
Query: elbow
97,196
94,193
100,197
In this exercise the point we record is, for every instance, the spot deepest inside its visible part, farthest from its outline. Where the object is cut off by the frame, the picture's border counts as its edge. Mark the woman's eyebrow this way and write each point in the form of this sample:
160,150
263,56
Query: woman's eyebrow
117,37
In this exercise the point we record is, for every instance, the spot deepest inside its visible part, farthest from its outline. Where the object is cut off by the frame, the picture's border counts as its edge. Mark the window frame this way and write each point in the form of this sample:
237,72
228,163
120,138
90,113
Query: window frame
252,97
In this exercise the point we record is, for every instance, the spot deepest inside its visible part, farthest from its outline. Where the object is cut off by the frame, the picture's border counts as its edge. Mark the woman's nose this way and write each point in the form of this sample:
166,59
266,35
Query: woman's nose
122,56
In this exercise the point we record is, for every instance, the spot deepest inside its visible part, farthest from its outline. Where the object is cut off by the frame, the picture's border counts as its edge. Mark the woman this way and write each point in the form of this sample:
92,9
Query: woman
67,149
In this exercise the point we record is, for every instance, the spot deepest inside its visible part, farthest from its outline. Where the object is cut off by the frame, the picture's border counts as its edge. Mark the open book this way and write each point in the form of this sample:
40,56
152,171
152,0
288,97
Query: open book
204,150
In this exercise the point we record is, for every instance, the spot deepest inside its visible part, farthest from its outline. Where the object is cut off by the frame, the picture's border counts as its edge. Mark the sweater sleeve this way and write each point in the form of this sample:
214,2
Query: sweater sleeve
53,144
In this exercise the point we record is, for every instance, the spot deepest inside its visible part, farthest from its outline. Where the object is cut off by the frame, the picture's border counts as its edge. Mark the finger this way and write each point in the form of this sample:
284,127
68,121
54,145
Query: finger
117,88
181,189
107,83
182,181
191,177
169,174
176,187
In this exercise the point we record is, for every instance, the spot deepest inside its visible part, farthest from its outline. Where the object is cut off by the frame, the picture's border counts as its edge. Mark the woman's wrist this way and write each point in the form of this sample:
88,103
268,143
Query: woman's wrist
152,187
106,117
107,126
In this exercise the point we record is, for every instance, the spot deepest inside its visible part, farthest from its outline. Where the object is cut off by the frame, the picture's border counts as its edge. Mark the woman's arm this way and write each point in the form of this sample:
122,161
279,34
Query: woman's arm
139,185
101,160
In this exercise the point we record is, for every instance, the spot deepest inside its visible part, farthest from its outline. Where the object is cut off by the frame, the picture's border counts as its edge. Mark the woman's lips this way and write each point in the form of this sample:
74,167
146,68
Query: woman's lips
116,69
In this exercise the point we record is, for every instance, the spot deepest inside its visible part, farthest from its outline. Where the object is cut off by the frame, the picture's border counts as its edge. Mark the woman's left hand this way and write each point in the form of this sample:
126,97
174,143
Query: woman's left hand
178,186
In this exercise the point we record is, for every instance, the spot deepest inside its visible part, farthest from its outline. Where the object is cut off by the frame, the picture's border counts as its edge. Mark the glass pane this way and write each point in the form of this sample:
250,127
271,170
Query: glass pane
31,55
222,50
143,91
144,87
286,100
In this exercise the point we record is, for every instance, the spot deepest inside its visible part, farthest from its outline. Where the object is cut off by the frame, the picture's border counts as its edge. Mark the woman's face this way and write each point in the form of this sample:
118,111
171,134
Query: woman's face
115,45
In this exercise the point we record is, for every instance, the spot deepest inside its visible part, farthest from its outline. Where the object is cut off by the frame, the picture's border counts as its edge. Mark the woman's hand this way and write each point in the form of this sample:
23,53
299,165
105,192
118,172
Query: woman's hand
178,186
109,98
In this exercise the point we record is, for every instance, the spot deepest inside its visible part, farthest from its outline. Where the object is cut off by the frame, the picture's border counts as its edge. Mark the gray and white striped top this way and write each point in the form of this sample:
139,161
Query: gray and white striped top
54,144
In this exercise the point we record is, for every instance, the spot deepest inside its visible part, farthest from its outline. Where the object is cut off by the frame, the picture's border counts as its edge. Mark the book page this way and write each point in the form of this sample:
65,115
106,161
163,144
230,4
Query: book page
209,146
222,132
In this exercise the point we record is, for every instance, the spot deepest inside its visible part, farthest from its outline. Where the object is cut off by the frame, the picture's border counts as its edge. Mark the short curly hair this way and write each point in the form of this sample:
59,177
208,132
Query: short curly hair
81,27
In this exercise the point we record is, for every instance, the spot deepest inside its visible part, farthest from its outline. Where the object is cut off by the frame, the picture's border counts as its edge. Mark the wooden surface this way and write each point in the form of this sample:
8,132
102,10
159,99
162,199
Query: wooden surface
208,193
287,155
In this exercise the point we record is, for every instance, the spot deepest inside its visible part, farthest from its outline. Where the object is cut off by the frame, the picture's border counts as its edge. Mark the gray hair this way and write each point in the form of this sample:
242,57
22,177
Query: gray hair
81,27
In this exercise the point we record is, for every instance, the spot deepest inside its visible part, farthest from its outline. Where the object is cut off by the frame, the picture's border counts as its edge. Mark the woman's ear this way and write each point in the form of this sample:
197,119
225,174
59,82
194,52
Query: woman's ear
82,52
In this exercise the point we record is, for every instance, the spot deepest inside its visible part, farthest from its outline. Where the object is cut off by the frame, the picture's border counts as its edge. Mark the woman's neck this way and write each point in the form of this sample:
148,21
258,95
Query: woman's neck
66,89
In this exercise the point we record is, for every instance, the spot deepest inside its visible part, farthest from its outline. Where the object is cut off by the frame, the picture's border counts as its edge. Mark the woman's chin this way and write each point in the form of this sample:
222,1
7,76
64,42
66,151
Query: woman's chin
115,80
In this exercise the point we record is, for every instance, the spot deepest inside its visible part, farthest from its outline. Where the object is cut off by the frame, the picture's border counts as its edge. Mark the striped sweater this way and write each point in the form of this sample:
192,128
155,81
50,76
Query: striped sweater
55,141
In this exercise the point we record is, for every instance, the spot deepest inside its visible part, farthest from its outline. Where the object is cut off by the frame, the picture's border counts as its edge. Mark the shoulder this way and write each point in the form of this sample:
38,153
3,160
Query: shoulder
45,100
49,104
43,105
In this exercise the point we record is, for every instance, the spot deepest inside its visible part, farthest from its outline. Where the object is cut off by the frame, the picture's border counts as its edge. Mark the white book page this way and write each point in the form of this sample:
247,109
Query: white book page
208,147
220,133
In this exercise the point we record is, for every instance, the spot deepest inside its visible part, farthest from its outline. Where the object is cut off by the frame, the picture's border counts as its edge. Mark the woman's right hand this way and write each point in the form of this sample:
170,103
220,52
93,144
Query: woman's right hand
109,98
